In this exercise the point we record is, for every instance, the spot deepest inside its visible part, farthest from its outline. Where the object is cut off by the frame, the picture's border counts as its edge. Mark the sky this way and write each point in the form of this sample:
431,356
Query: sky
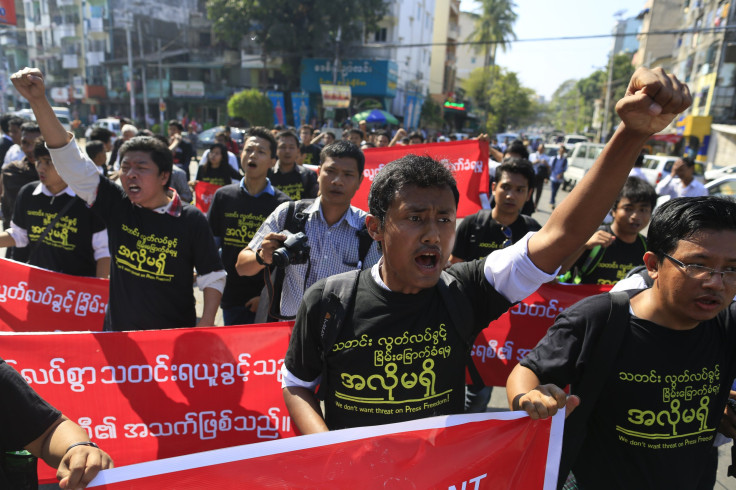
543,66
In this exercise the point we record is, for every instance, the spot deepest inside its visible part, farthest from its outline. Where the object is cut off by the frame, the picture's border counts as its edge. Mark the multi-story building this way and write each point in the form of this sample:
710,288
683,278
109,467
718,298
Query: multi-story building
656,50
444,52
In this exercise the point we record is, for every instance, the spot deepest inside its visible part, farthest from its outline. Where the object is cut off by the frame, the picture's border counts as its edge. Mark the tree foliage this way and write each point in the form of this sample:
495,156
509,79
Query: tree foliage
431,114
252,106
294,30
494,28
573,104
506,101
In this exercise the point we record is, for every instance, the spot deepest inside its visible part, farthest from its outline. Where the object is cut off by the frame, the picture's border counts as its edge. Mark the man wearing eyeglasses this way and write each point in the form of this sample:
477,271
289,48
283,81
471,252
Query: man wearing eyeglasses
665,388
487,230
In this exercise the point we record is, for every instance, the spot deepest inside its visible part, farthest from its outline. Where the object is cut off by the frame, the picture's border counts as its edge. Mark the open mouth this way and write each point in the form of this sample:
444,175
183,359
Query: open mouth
252,165
133,189
427,259
708,302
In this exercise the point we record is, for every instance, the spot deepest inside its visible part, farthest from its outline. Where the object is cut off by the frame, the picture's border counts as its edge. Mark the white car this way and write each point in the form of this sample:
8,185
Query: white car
109,123
724,187
717,173
656,167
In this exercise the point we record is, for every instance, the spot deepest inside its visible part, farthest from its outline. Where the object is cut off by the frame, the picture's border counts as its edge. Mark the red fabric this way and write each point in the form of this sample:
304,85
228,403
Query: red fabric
7,12
38,300
467,159
204,192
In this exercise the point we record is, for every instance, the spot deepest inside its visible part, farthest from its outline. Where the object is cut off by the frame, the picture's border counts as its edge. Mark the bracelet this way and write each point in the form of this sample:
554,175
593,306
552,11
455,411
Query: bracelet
88,443
259,259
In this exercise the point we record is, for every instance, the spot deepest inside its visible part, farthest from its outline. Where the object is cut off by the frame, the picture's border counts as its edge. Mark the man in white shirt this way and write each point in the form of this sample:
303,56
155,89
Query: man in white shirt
681,181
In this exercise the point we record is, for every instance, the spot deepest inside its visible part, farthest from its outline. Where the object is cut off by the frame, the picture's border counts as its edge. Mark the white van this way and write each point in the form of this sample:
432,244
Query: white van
62,113
579,160
109,123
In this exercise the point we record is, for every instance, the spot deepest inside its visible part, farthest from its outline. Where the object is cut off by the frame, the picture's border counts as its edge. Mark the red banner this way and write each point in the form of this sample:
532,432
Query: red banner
494,451
161,393
204,192
467,159
507,340
7,12
38,300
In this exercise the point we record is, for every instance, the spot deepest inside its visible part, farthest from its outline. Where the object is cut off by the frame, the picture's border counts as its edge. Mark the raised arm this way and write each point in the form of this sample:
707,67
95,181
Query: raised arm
30,84
652,101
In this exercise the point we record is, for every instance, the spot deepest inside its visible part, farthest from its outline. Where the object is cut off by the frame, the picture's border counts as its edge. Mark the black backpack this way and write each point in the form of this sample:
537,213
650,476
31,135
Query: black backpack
269,306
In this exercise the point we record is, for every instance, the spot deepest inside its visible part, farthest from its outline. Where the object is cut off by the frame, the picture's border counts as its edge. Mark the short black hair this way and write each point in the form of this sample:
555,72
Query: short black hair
30,127
94,148
637,191
160,153
516,165
421,171
6,120
343,149
518,148
264,133
288,134
383,132
684,217
39,148
688,161
176,124
101,134
416,134
358,132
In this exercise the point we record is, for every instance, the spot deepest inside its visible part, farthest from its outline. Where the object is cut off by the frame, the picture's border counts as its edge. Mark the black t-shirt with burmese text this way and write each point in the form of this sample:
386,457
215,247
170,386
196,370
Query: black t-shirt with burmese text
479,234
67,248
300,183
658,411
235,217
399,357
222,175
153,258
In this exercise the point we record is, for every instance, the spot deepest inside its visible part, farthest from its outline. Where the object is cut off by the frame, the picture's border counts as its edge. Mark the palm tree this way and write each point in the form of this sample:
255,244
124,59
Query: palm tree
493,29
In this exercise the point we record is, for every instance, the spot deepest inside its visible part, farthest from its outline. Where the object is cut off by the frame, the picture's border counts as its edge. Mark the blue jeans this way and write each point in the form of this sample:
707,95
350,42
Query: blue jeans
238,315
554,187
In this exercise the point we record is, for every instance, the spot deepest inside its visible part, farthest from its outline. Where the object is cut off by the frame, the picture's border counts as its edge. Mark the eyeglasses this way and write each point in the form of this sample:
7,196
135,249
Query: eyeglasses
507,233
702,273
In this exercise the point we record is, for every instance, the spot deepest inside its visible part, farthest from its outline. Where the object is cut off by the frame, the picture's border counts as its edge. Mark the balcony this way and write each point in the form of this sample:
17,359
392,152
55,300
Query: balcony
453,31
65,30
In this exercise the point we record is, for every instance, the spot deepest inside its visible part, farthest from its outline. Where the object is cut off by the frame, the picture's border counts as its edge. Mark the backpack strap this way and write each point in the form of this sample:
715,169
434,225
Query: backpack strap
365,240
611,334
338,299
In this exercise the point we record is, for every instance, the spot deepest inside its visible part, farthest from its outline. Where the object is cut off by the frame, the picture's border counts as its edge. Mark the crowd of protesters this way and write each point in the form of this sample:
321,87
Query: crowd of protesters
279,237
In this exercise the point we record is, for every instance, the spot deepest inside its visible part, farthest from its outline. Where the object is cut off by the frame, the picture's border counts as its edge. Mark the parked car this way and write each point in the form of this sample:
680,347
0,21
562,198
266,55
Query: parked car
109,123
655,167
571,139
62,113
579,160
724,186
206,138
717,173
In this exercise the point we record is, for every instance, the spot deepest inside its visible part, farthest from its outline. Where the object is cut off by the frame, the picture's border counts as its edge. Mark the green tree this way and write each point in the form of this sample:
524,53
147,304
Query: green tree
431,114
252,106
294,30
507,102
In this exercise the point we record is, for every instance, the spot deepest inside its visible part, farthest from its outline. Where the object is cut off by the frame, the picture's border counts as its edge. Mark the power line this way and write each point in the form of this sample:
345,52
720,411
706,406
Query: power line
561,38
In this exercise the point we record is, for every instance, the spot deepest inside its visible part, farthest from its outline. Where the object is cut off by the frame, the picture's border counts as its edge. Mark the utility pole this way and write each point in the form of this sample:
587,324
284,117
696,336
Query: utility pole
161,105
130,70
143,77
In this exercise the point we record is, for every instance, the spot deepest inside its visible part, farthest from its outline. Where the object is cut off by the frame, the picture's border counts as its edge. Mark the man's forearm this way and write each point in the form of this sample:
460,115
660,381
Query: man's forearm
103,268
304,410
211,302
247,265
6,240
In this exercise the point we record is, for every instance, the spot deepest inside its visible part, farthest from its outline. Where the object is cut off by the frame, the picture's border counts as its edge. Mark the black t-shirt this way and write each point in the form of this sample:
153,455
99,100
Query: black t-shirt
612,263
654,422
222,175
153,256
479,234
67,247
399,357
310,154
300,183
183,154
24,416
235,217
15,175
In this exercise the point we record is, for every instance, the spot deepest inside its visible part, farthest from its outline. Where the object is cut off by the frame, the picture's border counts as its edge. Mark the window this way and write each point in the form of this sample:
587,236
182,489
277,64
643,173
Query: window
380,35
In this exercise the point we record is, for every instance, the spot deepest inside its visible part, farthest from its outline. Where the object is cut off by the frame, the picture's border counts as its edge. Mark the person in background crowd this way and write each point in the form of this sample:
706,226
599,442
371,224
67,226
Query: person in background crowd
382,138
75,243
15,175
558,165
310,151
30,423
232,145
637,170
416,138
681,182
96,152
128,131
541,172
180,148
214,170
10,126
192,135
145,220
614,250
355,136
236,213
287,176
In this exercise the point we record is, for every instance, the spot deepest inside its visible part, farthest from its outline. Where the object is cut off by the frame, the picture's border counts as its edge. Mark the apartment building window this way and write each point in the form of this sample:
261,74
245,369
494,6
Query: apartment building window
380,35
